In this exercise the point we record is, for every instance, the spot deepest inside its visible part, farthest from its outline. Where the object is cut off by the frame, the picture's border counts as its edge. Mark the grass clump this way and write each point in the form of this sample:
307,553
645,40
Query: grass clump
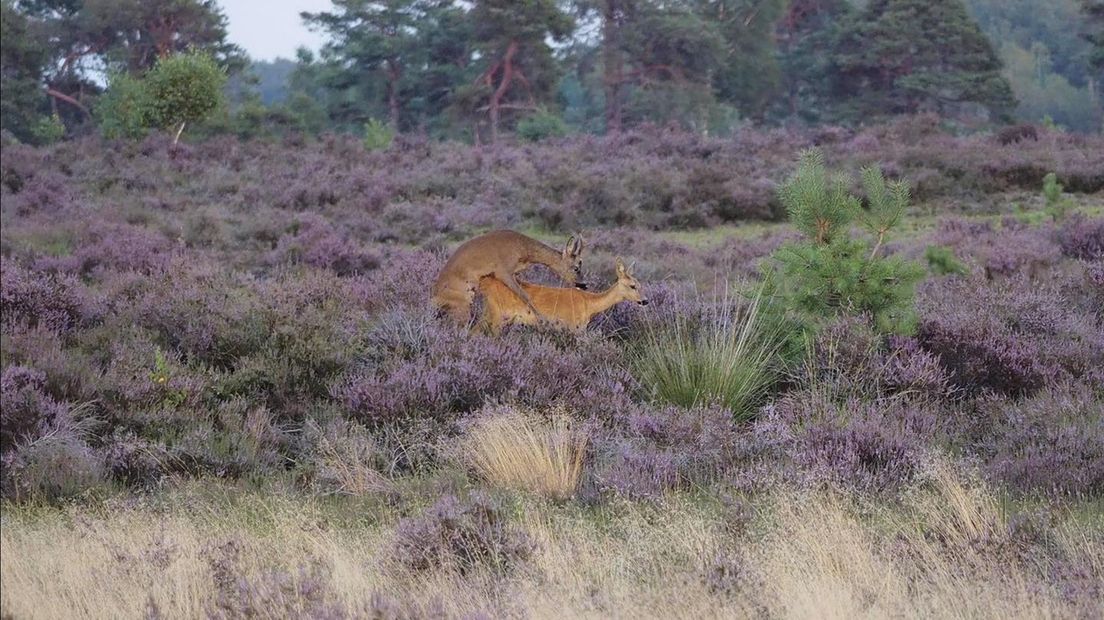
728,359
516,450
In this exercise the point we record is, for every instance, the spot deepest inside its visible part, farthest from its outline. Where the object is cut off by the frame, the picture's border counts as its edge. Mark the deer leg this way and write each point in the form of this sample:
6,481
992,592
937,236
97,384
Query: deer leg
511,283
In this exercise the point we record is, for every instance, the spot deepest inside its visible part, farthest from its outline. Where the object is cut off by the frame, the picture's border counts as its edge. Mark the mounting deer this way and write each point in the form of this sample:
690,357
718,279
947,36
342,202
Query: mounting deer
500,254
565,307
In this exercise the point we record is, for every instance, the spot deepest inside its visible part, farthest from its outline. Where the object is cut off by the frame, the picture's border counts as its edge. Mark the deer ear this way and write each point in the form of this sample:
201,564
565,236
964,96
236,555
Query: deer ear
620,267
576,243
567,251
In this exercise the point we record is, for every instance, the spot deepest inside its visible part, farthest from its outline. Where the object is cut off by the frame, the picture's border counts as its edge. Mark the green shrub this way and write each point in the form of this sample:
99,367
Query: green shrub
727,358
377,135
1057,203
541,126
183,88
48,129
123,110
942,261
830,273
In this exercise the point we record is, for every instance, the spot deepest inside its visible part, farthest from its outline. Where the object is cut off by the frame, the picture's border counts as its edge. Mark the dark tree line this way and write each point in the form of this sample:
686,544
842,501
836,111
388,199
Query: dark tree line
476,69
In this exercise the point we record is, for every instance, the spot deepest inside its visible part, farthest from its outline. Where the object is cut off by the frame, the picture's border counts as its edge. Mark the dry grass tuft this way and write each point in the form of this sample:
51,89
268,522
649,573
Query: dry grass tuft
518,450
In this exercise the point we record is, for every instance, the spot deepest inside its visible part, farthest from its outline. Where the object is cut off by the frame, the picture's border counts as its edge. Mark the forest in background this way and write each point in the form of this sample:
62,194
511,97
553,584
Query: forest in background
476,70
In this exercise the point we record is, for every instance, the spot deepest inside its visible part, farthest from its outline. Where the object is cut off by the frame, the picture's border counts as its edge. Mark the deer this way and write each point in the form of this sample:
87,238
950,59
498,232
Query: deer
563,307
500,254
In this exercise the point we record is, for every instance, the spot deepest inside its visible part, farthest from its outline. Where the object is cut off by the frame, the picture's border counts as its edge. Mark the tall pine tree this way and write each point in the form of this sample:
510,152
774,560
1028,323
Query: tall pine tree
806,30
510,38
907,56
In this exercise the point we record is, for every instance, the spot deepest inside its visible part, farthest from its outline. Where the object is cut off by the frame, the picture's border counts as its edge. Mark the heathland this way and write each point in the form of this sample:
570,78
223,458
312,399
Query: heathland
225,394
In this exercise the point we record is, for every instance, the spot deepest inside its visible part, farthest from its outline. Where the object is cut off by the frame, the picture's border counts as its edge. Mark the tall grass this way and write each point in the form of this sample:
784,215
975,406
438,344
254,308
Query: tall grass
517,450
726,356
941,553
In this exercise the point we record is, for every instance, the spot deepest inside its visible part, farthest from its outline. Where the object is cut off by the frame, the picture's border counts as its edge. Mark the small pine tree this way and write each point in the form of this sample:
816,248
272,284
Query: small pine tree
1057,203
830,273
817,205
942,261
377,135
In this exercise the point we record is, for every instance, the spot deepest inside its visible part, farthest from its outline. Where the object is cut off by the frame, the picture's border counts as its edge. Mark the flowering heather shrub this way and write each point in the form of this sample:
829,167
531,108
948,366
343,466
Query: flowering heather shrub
100,247
314,242
26,411
652,451
55,466
204,313
311,333
70,375
305,594
1014,337
1019,249
45,193
865,446
445,369
1052,442
846,359
235,439
465,536
401,281
29,298
216,299
133,460
271,593
144,384
1082,237
42,441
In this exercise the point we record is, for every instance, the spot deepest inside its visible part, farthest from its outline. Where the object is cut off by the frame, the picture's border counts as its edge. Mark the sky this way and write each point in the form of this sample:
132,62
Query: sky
268,29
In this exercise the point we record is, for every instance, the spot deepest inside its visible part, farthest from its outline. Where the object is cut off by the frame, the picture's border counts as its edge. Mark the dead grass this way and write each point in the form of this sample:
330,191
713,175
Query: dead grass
806,555
521,451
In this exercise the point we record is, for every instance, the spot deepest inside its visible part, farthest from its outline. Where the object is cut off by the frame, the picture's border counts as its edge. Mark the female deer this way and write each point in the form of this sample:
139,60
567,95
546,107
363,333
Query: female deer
566,307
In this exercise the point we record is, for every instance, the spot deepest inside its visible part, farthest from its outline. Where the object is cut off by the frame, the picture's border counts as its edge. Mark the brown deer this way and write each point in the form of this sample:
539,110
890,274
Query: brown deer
500,254
565,307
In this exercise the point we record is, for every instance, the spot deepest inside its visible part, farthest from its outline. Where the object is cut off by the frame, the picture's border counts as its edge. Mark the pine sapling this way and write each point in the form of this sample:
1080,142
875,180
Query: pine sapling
831,273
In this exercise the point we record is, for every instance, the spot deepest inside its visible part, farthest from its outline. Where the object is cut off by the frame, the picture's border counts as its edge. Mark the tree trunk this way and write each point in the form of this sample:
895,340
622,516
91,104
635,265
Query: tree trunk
67,99
393,75
613,64
503,86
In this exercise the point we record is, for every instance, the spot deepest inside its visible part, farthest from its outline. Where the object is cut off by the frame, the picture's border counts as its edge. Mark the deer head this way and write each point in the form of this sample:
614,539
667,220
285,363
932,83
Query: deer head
571,265
627,286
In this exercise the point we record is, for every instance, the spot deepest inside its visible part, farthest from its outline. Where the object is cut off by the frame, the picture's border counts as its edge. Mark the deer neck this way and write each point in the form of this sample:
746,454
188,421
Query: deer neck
600,302
543,255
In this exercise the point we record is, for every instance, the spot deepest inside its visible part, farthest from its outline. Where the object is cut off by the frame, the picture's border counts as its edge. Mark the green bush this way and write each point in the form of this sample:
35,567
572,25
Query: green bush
123,110
942,261
830,273
728,358
183,88
377,135
541,126
178,90
48,129
1057,203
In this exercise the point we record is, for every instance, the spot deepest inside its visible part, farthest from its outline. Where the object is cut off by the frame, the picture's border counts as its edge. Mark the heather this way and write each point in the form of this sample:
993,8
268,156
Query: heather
172,311
234,336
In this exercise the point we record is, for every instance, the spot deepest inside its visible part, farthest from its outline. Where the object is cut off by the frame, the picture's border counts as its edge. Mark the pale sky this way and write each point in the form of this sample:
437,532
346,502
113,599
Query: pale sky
266,29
